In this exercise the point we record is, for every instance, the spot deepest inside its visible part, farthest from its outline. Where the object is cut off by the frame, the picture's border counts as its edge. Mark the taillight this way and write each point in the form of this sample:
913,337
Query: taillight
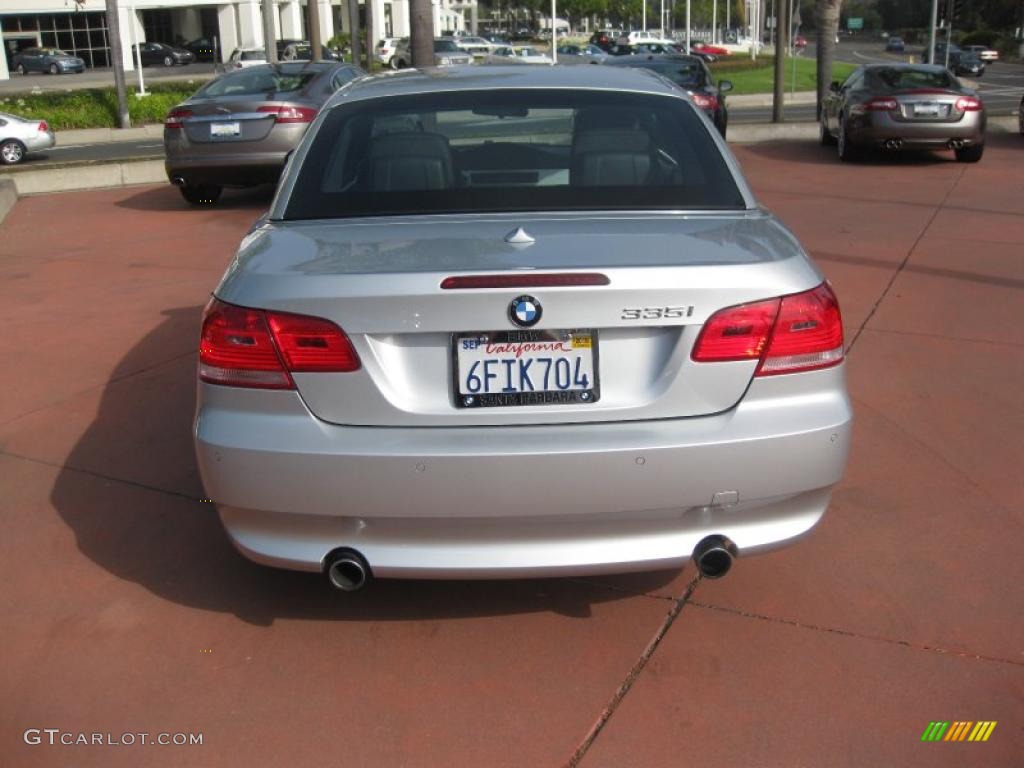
801,332
43,127
176,116
290,114
968,104
704,101
242,347
882,104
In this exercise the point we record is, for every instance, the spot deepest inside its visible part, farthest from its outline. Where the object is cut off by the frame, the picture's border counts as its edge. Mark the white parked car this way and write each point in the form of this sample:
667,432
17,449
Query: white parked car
247,57
19,136
476,46
386,49
638,36
527,54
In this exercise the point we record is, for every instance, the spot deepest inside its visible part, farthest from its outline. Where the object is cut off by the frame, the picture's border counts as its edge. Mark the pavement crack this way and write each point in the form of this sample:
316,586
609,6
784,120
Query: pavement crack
906,259
634,673
856,635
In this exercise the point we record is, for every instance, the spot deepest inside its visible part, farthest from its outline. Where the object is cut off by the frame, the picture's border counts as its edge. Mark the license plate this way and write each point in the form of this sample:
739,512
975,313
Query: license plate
220,130
926,110
506,368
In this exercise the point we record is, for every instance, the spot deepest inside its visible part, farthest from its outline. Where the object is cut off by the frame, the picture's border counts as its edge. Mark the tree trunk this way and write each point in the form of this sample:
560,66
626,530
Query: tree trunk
353,26
421,22
117,63
826,16
313,22
269,34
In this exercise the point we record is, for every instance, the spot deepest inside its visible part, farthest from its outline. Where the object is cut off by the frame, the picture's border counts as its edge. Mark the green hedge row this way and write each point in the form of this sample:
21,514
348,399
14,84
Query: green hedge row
95,107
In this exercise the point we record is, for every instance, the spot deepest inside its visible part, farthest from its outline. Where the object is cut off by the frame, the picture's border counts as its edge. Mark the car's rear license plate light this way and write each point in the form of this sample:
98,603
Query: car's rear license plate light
510,368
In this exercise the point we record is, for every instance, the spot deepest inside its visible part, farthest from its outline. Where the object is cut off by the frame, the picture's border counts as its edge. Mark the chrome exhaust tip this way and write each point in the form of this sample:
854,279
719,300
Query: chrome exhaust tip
893,144
955,144
347,570
177,181
714,556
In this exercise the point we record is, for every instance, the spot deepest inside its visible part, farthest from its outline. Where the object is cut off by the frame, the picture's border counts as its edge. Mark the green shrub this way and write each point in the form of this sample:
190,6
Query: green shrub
981,37
95,107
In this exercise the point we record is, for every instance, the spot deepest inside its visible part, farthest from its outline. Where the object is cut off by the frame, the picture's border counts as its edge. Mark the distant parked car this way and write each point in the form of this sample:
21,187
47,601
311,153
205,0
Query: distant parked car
301,50
19,136
895,44
589,53
692,75
386,49
940,53
475,46
159,53
699,46
52,60
530,55
903,106
446,54
984,53
238,129
203,48
603,39
247,57
966,63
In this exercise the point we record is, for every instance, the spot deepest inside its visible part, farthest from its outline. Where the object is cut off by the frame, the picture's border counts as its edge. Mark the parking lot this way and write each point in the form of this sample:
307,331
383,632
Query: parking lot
126,610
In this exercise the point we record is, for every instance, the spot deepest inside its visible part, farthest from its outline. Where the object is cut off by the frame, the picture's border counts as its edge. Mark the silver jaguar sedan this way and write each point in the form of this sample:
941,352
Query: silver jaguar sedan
513,321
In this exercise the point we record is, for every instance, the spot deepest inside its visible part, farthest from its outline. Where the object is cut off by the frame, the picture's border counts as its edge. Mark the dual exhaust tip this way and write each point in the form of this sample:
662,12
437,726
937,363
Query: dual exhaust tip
348,571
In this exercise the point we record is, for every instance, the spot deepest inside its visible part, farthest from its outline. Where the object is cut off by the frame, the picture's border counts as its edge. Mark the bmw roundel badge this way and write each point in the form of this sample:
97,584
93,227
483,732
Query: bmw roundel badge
524,311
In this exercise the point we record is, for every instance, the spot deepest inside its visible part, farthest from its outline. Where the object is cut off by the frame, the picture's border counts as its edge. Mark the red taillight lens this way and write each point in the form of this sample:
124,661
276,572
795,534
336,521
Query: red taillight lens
882,105
309,344
175,117
704,101
801,332
968,104
736,333
808,334
43,127
290,114
243,347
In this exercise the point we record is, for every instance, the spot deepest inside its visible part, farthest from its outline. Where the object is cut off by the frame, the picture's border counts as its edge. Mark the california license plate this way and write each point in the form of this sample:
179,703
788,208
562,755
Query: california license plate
505,368
221,130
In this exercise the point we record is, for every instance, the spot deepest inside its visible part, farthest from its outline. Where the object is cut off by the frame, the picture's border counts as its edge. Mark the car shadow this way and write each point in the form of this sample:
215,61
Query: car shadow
167,198
813,152
130,492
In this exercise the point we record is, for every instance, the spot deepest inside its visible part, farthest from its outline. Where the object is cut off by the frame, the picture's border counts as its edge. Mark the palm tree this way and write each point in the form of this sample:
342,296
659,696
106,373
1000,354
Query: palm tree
826,16
421,33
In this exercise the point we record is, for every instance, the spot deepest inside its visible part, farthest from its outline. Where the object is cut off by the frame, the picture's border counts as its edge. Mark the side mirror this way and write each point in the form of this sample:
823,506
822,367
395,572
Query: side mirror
724,86
834,86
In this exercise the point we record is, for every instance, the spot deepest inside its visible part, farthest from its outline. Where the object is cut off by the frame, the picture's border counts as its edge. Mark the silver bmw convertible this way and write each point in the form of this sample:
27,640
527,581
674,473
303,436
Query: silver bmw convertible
518,321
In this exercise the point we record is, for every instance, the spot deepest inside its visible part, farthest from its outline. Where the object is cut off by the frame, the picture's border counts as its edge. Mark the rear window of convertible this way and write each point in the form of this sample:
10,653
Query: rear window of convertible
529,150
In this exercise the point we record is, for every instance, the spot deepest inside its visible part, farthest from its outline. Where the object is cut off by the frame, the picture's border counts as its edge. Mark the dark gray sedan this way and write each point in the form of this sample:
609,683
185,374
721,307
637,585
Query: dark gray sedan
52,60
903,106
162,54
238,129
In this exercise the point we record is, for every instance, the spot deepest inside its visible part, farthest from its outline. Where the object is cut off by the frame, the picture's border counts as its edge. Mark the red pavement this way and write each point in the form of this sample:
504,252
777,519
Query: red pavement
124,608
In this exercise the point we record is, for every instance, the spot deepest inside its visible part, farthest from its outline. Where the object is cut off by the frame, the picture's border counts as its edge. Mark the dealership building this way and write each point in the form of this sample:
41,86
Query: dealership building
79,27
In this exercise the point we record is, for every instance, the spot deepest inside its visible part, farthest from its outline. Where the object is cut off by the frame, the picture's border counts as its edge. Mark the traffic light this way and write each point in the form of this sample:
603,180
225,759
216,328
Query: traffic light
955,9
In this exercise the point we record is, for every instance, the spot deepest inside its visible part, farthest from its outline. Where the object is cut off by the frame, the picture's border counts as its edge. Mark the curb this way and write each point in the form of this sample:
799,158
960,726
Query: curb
8,197
748,133
77,136
121,173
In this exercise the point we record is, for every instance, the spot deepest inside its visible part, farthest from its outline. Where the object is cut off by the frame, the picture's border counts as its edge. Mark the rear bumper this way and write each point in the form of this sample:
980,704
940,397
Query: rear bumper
521,501
877,128
41,140
238,169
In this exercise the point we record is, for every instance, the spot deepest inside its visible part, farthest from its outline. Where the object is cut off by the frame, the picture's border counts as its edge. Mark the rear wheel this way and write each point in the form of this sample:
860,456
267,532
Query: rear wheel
168,61
971,154
12,151
20,69
848,152
54,69
201,194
